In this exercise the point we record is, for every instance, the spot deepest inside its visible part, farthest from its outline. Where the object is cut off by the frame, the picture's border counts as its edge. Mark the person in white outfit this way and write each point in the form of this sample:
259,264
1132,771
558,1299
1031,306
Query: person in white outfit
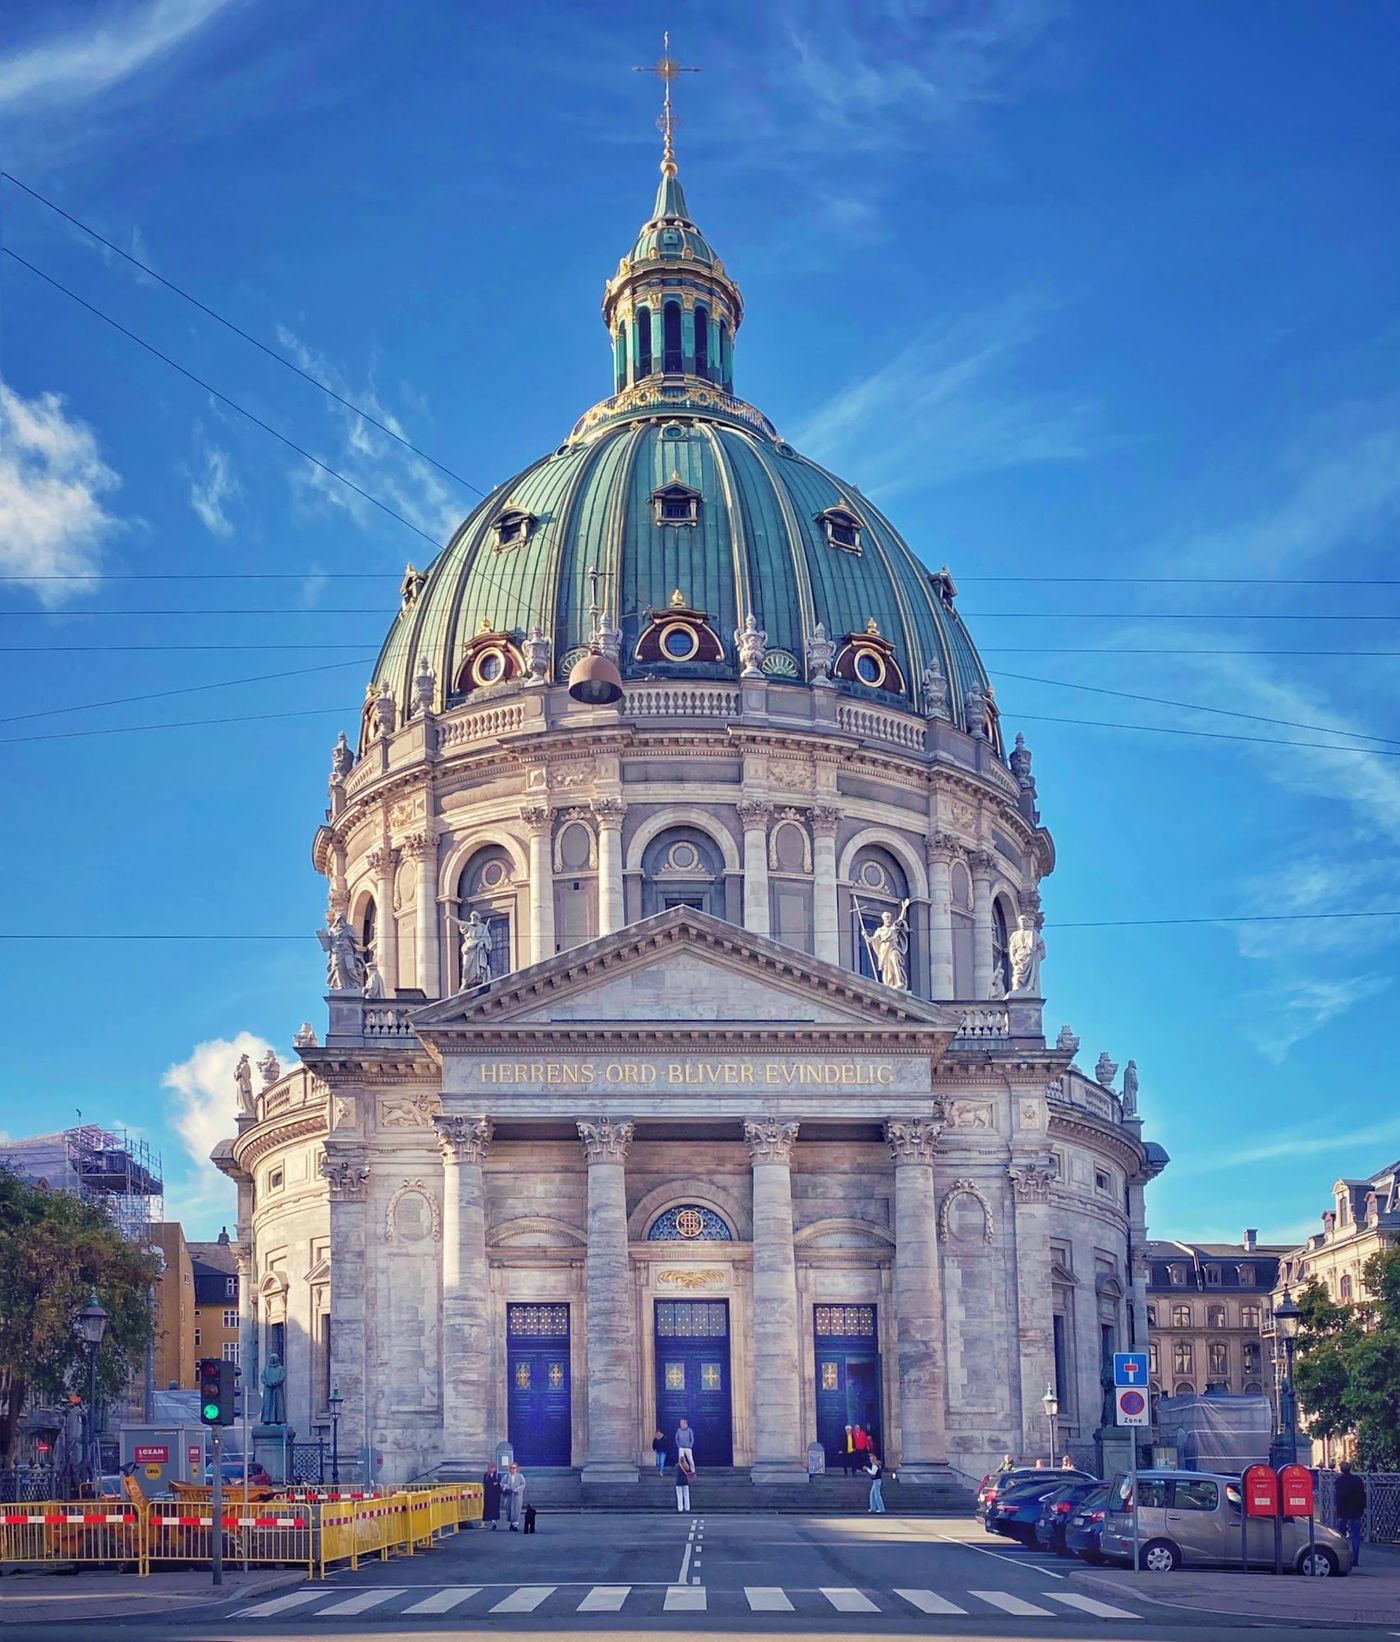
685,1442
684,1472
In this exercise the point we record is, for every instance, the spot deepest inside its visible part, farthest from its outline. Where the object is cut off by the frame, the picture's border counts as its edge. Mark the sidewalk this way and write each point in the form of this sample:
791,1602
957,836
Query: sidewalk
29,1598
1369,1595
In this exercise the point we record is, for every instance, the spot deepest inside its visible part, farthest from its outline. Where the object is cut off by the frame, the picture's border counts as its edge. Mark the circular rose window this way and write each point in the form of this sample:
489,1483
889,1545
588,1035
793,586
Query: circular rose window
690,1222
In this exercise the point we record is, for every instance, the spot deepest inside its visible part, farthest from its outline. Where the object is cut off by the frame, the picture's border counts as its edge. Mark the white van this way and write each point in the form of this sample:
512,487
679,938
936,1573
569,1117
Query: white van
1192,1519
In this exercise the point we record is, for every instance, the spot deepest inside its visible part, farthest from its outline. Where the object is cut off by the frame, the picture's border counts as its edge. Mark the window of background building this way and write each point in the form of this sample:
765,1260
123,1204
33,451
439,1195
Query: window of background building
1213,1277
230,1317
1249,1317
1346,1287
197,1337
1252,1357
1152,1368
231,1285
230,1351
1246,1276
1219,1359
1215,1316
1181,1317
1152,1317
1183,1359
1178,1276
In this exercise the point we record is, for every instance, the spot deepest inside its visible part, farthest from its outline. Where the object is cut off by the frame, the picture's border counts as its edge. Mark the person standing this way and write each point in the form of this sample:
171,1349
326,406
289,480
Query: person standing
1007,1464
860,1438
1066,1463
513,1487
685,1442
685,1470
875,1471
848,1451
491,1496
1351,1509
658,1448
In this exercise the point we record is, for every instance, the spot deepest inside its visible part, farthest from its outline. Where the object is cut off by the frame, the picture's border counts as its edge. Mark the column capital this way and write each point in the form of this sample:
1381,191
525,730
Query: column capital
382,860
983,863
913,1139
753,812
942,846
1030,1181
463,1139
605,1141
768,1140
420,846
609,811
825,820
346,1175
537,817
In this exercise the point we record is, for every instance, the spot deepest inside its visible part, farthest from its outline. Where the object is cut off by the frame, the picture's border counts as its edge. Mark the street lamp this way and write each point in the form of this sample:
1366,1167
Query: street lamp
1287,1317
92,1325
1051,1403
334,1401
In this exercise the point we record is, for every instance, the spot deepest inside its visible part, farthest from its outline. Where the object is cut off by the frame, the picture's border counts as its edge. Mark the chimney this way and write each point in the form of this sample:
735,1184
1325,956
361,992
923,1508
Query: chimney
223,1235
1251,1238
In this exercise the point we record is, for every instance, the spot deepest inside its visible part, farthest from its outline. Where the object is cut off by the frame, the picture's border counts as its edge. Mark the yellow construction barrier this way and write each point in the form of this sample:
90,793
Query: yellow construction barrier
90,1530
269,1531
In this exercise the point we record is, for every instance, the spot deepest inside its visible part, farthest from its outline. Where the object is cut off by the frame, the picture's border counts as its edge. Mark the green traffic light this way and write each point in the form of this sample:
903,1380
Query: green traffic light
211,1411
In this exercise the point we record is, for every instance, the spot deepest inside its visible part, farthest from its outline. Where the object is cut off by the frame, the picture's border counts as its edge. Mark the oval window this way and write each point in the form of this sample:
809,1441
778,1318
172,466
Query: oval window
490,666
678,642
869,668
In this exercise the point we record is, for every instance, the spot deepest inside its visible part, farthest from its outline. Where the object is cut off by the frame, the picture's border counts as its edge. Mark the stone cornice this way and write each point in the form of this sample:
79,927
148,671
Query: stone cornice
1084,1127
255,1144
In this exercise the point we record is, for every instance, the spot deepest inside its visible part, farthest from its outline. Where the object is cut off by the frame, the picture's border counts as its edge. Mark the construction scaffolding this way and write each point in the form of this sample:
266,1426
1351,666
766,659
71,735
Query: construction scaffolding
117,1172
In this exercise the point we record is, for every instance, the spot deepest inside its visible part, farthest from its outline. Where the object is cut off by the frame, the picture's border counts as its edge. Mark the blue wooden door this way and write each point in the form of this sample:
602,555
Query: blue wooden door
848,1376
538,1403
692,1376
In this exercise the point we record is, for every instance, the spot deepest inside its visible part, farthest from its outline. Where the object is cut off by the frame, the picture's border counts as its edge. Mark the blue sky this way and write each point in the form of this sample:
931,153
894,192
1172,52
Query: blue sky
1075,291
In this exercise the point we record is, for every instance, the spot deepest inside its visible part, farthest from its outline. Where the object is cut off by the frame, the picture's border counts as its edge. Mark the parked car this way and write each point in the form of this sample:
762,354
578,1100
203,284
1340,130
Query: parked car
995,1483
1014,1512
1086,1525
1193,1518
1055,1512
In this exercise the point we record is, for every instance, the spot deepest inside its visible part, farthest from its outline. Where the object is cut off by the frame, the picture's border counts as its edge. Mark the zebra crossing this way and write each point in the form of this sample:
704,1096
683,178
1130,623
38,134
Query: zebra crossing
557,1601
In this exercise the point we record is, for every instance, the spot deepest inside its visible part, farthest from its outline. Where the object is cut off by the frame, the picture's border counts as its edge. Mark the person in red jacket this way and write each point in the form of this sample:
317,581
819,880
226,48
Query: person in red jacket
861,1438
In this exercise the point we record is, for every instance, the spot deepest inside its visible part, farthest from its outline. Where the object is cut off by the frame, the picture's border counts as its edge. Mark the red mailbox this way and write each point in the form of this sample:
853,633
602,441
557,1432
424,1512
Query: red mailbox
1296,1491
1260,1491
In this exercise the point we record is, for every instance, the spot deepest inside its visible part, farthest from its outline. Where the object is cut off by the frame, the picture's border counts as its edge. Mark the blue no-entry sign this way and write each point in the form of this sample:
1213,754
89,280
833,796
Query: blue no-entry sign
1130,1368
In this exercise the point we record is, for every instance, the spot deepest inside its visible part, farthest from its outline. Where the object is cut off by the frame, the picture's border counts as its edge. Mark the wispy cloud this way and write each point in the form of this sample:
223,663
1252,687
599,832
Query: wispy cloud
52,481
76,66
213,487
1314,1141
948,406
204,1111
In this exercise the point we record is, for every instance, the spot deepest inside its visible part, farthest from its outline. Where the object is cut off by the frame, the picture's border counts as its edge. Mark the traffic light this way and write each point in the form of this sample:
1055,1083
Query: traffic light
215,1391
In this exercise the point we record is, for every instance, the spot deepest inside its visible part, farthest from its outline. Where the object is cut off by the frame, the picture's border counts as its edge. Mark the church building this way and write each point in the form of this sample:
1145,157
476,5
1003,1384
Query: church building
685,1051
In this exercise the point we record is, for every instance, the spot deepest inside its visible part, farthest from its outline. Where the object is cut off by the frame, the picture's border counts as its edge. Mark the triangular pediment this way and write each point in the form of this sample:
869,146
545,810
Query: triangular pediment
689,971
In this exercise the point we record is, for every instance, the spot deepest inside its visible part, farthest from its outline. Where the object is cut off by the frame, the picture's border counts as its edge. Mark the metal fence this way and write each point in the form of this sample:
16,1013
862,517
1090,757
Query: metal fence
1382,1504
28,1482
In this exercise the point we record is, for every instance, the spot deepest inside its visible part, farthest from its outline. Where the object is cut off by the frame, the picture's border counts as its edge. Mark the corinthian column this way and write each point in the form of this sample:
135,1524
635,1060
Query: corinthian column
826,927
611,915
346,1173
1030,1186
942,848
381,863
466,1320
918,1299
612,1351
421,849
754,817
983,865
778,1447
540,820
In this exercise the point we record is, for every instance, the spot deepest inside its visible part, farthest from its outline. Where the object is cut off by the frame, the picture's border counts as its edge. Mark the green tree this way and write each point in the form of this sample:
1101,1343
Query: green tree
1347,1368
56,1251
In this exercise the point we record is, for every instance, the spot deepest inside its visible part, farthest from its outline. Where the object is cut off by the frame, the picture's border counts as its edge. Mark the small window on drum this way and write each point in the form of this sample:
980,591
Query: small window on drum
679,642
870,668
490,667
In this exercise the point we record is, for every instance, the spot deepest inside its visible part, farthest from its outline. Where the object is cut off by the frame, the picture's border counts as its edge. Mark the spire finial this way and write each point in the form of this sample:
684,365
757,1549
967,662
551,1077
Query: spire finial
666,68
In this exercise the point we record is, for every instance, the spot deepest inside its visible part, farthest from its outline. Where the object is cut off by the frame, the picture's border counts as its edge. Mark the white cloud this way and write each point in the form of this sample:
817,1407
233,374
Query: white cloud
52,479
205,1103
1310,1142
214,487
74,67
946,407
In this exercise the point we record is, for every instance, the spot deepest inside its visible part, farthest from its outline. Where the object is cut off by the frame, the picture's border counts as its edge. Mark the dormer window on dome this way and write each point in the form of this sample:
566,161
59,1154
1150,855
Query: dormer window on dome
679,633
513,526
676,503
491,658
842,528
868,658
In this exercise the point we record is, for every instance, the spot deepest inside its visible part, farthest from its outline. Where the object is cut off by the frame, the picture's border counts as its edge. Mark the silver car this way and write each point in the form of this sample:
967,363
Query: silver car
1193,1519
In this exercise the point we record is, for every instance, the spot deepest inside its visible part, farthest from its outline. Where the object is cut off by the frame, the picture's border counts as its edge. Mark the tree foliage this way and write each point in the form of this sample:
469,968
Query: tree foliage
56,1251
1347,1368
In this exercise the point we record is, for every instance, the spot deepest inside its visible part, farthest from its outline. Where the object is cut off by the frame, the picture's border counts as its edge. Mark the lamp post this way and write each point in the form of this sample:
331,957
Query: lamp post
334,1401
92,1325
1287,1317
1051,1403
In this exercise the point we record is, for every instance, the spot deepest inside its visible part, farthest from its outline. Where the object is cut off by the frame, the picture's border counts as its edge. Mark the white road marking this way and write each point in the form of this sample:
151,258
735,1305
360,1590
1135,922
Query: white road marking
442,1601
1001,1556
845,1600
684,1574
604,1599
767,1599
684,1599
1089,1604
1013,1604
524,1599
360,1603
930,1602
280,1604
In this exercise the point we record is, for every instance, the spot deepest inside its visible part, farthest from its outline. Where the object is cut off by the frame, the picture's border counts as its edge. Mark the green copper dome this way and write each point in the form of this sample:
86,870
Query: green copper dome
696,515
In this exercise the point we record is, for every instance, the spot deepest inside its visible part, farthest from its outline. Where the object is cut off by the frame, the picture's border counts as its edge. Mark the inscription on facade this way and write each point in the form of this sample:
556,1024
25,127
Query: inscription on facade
691,1074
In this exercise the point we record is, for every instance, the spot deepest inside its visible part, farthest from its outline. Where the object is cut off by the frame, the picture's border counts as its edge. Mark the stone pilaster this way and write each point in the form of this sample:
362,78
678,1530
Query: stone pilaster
918,1300
983,865
466,1316
421,849
539,820
611,1375
826,928
611,914
754,818
1030,1187
381,863
778,1447
942,850
346,1174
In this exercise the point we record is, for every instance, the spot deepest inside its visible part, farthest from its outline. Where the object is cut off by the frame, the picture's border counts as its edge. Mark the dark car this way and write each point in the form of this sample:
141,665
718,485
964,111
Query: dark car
1055,1512
995,1483
1014,1512
1086,1525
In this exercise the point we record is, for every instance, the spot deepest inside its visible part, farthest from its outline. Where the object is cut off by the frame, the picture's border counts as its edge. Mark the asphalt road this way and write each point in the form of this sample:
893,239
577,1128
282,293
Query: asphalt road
677,1577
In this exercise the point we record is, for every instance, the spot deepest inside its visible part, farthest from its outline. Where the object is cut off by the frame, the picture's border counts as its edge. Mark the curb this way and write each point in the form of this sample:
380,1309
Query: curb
135,1605
1110,1587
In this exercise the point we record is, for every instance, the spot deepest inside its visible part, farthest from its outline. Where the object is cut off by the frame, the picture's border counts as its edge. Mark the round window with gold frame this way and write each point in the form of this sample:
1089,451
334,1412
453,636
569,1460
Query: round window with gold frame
870,668
489,666
679,641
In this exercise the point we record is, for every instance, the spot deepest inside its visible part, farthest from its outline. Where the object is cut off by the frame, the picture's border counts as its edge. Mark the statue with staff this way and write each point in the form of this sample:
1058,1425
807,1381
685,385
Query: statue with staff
888,944
474,945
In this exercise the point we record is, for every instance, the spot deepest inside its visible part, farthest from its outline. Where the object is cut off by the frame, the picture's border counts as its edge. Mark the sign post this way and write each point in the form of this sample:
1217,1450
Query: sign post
1130,1395
216,1527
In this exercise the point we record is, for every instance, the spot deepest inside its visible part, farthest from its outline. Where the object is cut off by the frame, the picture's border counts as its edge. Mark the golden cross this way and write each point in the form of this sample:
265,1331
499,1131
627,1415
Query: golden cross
666,68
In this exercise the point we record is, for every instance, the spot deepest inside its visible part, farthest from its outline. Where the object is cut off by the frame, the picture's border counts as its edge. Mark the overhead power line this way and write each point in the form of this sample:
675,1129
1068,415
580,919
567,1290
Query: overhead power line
186,690
179,724
1198,581
1166,615
1209,735
228,324
1104,650
274,610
